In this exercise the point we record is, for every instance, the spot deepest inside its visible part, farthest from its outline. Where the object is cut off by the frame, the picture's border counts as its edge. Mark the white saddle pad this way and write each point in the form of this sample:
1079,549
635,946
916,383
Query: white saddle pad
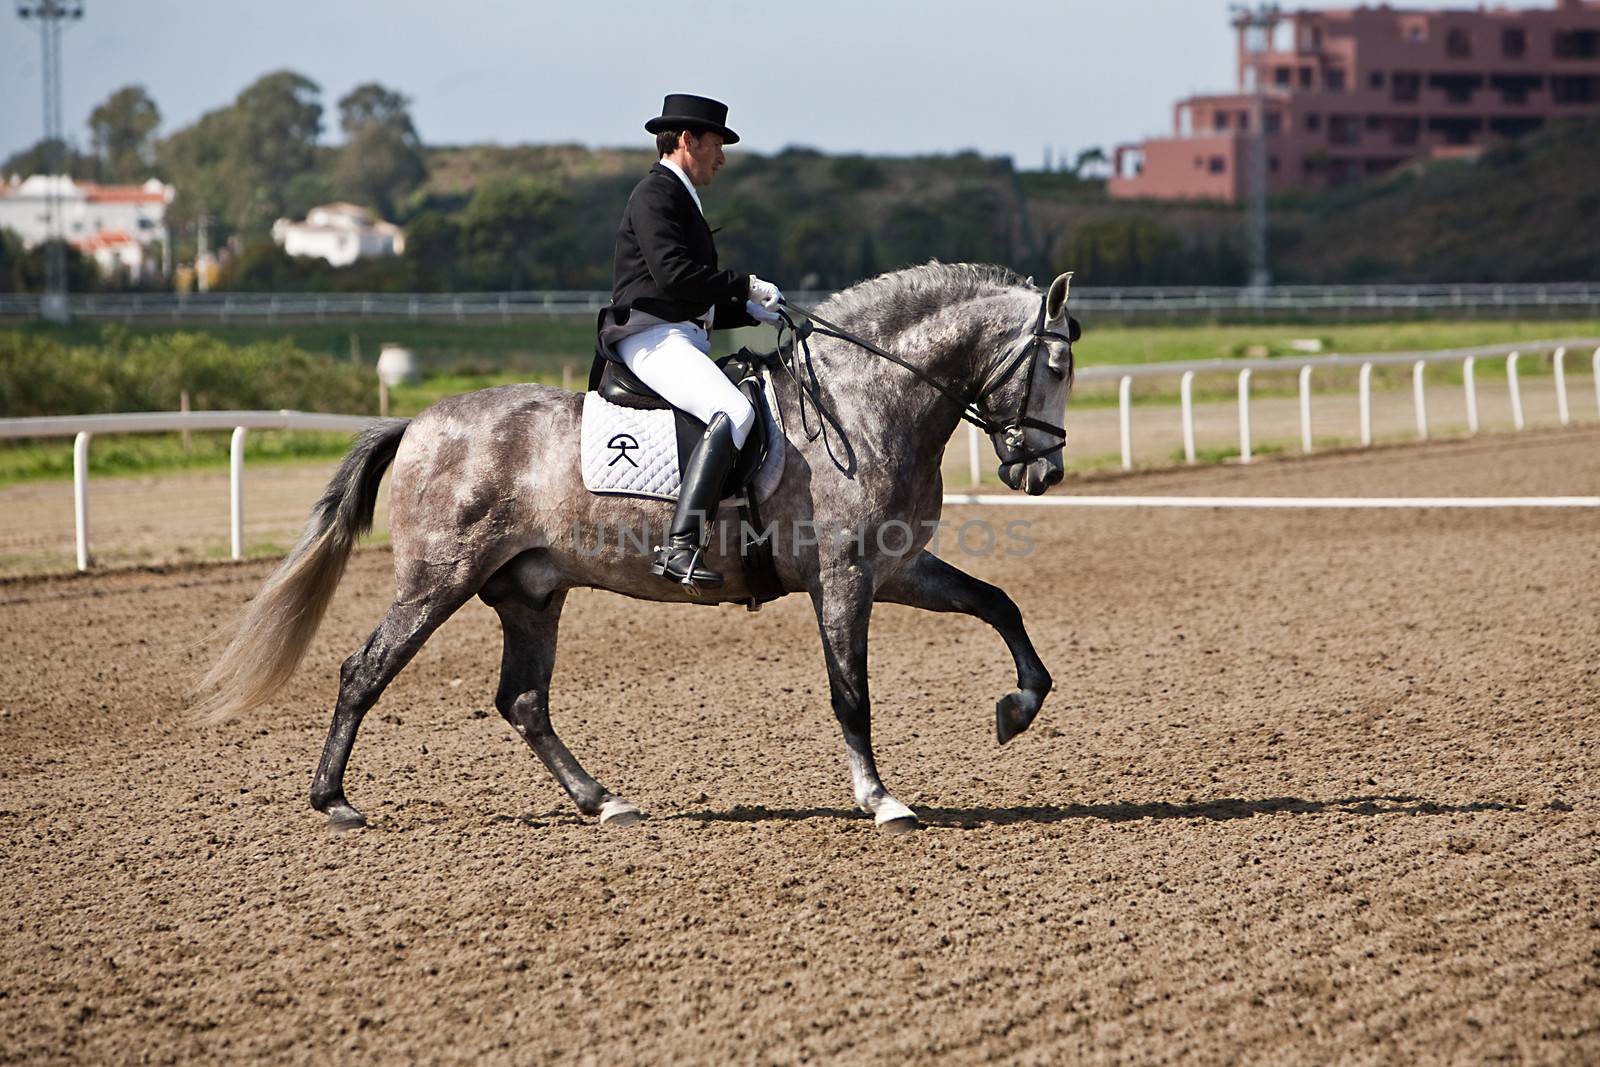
634,451
629,450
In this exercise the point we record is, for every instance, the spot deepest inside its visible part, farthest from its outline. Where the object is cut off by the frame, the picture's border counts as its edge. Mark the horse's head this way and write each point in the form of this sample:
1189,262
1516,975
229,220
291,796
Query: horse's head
1026,394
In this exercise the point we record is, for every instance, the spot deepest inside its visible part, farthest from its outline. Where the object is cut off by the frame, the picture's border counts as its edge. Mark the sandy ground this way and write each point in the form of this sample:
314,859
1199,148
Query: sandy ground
1313,787
170,518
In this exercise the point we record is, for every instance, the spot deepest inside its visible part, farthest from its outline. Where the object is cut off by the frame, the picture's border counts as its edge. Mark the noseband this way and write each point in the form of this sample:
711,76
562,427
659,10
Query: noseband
1012,431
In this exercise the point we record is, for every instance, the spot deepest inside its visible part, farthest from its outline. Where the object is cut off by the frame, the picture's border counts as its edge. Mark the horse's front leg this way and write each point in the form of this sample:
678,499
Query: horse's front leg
843,602
928,582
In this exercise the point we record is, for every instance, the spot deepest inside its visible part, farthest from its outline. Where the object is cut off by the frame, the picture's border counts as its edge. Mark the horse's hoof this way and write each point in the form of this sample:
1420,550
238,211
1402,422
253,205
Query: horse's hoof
618,812
342,817
1015,712
904,824
894,818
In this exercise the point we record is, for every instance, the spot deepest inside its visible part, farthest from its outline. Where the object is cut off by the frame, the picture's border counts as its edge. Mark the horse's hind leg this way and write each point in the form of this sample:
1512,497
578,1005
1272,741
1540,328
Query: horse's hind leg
362,678
524,700
930,583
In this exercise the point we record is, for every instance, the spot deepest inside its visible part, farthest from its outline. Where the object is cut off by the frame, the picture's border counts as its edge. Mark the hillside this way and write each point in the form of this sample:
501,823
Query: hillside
1527,211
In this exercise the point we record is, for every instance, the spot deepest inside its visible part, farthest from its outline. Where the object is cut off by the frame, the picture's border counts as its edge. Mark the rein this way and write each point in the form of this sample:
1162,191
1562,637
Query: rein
971,410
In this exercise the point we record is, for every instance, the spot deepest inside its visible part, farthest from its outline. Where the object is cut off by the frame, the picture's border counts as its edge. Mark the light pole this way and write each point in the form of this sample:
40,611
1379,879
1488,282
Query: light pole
51,17
1255,26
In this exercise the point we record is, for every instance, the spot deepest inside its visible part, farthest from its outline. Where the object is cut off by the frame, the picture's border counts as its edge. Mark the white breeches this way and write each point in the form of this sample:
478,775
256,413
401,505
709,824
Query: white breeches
674,360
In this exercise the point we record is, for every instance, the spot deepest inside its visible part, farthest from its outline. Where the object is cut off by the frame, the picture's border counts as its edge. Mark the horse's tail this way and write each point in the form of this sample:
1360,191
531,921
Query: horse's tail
277,626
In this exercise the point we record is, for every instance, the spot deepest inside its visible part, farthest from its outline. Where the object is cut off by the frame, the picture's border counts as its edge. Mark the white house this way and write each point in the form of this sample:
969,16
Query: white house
339,233
114,223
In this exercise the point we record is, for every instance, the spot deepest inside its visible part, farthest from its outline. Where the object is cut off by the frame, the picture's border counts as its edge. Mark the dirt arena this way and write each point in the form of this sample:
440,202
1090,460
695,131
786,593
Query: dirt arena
1313,787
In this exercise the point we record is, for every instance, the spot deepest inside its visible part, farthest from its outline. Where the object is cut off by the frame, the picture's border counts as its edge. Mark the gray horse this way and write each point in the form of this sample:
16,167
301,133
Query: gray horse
487,499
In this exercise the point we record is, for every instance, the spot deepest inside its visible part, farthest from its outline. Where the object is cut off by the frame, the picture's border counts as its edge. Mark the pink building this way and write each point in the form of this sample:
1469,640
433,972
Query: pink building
1344,94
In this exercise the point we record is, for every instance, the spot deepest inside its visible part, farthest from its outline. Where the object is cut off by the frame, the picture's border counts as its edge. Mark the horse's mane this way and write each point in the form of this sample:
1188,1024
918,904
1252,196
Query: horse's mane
895,300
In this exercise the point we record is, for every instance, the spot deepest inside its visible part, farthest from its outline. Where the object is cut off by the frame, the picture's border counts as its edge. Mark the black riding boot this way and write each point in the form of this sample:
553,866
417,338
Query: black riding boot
698,496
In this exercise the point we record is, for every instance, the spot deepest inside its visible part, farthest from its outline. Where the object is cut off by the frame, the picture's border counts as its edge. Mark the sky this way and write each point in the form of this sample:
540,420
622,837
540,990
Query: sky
893,77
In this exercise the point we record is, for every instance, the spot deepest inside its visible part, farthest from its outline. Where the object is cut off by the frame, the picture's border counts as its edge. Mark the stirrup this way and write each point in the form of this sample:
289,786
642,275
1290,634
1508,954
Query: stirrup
692,576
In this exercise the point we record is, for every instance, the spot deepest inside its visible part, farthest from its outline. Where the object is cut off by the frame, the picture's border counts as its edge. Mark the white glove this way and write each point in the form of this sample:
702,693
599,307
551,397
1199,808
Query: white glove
761,314
764,293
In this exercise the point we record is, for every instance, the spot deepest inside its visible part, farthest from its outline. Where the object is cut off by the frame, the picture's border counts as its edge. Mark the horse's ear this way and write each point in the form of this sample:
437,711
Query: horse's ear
1055,302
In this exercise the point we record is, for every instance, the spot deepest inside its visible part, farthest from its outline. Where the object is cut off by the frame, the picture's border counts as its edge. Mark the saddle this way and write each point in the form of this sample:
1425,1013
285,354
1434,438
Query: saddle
619,385
646,420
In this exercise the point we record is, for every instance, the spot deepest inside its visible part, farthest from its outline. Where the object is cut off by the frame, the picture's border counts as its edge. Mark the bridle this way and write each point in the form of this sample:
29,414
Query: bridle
1012,431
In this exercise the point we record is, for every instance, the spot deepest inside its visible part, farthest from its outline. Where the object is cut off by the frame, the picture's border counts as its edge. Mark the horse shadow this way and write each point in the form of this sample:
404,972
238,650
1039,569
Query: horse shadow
1222,809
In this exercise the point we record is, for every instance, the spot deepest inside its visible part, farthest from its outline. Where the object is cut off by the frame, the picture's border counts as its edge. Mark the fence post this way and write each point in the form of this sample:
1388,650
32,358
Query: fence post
1469,382
974,462
1563,412
1419,397
1305,409
1514,388
1596,374
1186,391
236,490
1366,405
183,406
566,376
80,496
1244,416
1125,410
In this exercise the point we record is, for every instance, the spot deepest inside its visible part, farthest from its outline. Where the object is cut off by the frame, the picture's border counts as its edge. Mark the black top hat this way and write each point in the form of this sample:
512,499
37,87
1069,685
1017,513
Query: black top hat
681,111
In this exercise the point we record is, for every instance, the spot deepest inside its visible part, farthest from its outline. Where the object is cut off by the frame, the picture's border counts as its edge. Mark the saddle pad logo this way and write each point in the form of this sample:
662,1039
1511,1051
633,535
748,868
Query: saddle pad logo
622,444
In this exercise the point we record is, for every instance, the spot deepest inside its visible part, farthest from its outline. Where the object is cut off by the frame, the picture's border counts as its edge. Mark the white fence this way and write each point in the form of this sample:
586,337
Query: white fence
1573,297
1306,366
83,428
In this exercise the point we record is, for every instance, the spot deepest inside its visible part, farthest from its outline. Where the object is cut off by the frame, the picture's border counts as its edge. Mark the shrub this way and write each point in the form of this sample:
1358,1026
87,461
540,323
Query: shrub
40,376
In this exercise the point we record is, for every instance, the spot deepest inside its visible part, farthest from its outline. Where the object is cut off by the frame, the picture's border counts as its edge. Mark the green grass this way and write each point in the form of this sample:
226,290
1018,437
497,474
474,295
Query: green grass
1116,345
489,356
538,347
130,454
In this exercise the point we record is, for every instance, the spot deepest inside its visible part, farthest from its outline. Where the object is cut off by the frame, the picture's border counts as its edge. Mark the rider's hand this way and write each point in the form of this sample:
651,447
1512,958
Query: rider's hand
764,292
761,314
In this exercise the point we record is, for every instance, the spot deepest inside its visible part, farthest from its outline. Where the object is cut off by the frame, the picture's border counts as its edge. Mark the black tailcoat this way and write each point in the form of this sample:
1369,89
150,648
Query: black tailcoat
666,260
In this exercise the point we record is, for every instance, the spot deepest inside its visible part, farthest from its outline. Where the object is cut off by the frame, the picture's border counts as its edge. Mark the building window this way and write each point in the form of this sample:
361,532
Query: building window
1574,88
1404,132
1334,80
1405,88
1458,44
1458,88
1244,120
1272,122
1305,77
1514,88
1577,44
1219,120
1313,122
1375,80
1513,128
1513,43
1344,129
1218,165
1281,76
1456,131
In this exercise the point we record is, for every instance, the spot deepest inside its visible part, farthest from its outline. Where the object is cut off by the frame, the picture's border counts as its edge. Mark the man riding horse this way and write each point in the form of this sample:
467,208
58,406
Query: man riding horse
667,295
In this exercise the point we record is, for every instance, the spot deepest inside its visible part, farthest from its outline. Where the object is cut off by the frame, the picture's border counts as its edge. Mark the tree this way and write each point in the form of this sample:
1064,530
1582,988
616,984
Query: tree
1091,163
121,129
382,157
513,235
235,164
40,159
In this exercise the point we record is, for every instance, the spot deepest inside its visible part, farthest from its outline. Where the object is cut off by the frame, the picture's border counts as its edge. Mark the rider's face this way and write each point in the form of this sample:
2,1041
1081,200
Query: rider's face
704,152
